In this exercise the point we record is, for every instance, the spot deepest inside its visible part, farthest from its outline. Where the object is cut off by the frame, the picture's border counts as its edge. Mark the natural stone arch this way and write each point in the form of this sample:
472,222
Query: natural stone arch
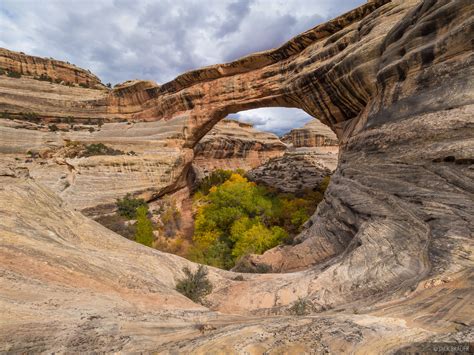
392,80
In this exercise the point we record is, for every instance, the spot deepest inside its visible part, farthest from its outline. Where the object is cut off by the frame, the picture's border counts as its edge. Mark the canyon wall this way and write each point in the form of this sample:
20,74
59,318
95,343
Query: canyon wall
391,240
235,145
311,156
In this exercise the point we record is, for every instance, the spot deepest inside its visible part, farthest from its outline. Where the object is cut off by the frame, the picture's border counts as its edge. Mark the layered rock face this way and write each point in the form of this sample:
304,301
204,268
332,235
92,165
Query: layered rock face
392,240
235,145
52,69
311,156
312,134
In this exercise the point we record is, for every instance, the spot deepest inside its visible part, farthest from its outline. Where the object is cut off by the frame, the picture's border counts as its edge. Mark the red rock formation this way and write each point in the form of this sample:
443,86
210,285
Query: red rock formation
49,68
235,145
394,81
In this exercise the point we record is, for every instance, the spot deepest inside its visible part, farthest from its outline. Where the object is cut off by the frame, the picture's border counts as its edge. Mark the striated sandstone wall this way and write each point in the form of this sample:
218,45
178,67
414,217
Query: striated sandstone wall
312,134
55,69
235,145
392,238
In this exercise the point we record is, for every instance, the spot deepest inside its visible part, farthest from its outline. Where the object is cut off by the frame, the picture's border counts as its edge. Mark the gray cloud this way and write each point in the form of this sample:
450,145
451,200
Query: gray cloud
157,40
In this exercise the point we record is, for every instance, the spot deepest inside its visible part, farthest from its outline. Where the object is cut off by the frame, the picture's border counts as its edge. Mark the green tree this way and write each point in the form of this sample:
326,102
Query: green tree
127,206
195,285
144,227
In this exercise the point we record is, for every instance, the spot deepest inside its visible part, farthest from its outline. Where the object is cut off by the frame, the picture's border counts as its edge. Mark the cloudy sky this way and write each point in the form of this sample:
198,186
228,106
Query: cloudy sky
158,39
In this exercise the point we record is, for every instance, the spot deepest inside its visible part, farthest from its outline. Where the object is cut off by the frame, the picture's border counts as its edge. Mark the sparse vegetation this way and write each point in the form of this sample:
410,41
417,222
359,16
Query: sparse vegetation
118,224
300,307
171,220
31,116
13,74
195,285
53,127
128,206
144,228
101,149
44,77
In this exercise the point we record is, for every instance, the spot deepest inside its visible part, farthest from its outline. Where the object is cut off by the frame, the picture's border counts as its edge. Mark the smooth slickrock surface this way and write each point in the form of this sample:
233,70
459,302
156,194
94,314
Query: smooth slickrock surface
386,260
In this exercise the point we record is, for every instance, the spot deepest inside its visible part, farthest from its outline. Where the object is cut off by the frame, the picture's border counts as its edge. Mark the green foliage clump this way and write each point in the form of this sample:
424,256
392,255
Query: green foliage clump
195,285
14,74
44,77
128,206
144,227
236,217
118,224
216,178
300,307
31,116
100,149
2,71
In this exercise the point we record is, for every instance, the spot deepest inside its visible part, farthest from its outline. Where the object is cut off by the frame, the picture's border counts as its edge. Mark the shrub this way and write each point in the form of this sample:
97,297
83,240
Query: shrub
195,286
53,128
117,224
31,116
127,206
171,219
14,74
84,85
101,149
324,184
216,178
300,307
109,85
245,266
2,72
44,77
144,227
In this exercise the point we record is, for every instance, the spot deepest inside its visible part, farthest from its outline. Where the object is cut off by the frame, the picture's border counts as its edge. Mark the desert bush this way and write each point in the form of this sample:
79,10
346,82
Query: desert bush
195,285
100,149
127,206
216,178
118,224
31,116
53,127
300,307
2,72
144,227
171,219
44,77
84,85
245,266
13,74
324,184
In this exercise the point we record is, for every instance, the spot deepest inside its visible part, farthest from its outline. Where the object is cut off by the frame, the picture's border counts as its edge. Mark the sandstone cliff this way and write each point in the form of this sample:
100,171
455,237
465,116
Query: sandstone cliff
235,145
392,240
311,156
47,69
312,134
